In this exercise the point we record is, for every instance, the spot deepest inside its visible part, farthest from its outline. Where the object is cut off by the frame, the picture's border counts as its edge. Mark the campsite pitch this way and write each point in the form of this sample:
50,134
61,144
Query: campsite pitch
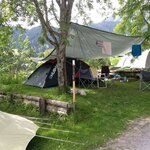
101,115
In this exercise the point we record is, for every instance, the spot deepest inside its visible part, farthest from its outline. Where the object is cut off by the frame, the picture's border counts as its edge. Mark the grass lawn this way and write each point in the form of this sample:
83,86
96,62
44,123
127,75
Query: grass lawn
101,115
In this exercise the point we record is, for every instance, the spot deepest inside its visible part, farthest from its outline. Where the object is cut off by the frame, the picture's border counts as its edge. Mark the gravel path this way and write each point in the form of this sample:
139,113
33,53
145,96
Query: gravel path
137,137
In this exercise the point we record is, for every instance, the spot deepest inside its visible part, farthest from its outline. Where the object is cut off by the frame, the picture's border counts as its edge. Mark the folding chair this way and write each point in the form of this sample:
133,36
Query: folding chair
95,76
86,79
104,76
103,79
145,80
105,71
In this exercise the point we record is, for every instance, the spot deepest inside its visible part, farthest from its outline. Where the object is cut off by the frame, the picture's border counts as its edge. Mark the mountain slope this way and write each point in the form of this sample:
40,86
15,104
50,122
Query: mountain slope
105,25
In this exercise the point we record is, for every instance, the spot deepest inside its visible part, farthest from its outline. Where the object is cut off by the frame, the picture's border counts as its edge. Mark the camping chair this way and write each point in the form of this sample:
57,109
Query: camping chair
86,79
104,76
145,80
95,75
105,71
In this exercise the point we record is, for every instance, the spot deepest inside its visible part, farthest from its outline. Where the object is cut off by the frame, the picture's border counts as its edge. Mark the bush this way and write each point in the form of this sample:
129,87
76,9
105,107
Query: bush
11,79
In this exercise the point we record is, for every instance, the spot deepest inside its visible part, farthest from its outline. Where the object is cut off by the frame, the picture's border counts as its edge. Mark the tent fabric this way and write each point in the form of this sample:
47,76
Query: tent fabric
15,132
143,61
43,75
83,43
46,75
125,61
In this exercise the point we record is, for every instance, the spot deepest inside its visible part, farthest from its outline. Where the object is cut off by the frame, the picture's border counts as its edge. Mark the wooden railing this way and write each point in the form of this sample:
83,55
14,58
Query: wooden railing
43,104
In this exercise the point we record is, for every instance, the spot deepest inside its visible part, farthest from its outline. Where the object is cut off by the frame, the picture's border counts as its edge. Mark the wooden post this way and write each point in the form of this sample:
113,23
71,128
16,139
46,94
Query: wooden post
42,106
73,84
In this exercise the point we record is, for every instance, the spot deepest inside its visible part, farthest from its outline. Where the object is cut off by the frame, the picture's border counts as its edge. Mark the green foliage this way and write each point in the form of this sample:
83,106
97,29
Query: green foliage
101,115
5,29
5,33
45,53
135,19
16,63
41,40
114,60
7,78
97,63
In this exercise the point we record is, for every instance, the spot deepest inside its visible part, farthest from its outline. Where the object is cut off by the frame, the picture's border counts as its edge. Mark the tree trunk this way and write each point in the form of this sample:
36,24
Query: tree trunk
64,22
61,66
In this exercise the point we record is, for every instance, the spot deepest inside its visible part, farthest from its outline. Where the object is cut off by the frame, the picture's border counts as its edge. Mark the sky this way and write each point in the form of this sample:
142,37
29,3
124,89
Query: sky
93,14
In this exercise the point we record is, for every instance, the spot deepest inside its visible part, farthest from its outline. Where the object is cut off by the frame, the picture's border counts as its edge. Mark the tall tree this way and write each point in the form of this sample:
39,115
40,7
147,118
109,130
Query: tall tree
5,29
135,19
17,61
60,11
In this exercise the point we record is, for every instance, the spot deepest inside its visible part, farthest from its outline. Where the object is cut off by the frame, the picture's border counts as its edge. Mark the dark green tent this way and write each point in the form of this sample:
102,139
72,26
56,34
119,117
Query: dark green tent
46,75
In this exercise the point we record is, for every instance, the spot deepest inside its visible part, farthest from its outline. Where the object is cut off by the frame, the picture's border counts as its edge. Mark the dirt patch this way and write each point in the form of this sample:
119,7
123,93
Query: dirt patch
137,137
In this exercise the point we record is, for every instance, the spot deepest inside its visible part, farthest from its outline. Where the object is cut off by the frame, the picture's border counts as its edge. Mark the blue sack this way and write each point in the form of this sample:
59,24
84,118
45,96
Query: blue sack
136,50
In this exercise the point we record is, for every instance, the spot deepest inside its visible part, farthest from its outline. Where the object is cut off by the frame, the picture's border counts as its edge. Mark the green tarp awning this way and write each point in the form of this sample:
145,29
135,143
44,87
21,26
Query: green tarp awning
90,43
